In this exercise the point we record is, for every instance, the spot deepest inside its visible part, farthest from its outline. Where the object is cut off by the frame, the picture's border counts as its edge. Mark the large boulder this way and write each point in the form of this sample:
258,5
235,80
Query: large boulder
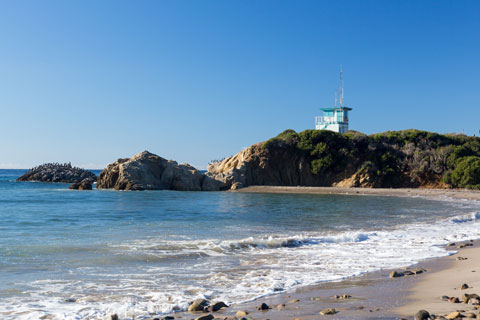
147,171
57,172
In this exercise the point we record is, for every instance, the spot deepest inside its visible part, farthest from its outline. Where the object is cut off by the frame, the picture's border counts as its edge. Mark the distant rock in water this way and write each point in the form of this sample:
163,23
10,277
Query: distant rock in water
84,185
57,172
147,171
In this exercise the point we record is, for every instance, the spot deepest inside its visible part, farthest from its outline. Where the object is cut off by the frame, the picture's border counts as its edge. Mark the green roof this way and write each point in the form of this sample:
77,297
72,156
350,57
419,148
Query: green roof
336,108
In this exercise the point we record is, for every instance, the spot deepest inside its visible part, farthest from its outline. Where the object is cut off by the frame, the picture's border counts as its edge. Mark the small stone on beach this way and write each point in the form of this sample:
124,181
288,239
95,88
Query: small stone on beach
206,317
453,300
328,311
241,313
263,307
464,286
198,305
422,315
454,315
396,274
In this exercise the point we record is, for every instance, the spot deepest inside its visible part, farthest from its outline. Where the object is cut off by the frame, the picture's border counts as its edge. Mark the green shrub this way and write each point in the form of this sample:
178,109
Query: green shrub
466,173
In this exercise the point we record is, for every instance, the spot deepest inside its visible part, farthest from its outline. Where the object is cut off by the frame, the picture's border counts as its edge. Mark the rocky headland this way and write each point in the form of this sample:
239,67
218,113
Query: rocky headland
394,159
148,171
58,172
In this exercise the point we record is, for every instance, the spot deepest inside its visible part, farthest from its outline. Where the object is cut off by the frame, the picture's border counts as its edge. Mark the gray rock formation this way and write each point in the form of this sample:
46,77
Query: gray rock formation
147,171
57,172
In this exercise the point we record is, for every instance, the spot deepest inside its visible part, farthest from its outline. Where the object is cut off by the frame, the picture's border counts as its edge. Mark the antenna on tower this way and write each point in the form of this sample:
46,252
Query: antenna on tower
341,86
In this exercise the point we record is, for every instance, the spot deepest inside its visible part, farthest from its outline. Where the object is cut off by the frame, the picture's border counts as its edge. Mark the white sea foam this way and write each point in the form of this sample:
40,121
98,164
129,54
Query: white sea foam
233,270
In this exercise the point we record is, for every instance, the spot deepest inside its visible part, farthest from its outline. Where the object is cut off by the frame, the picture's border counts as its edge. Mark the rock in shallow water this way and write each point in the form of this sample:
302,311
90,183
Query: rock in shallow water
198,305
57,172
84,185
147,171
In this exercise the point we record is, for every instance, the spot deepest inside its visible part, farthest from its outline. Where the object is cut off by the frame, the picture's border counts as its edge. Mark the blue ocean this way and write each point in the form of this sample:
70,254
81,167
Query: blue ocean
68,254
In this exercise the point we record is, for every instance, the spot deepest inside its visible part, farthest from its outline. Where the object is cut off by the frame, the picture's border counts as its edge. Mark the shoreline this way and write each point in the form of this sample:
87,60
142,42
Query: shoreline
466,194
373,295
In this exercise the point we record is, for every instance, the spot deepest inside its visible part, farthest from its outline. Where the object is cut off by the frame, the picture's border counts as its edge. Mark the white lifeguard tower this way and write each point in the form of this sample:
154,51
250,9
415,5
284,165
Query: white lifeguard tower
336,118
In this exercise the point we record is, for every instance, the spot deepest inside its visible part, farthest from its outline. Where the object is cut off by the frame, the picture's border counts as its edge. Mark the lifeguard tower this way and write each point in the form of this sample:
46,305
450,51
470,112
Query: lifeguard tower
336,118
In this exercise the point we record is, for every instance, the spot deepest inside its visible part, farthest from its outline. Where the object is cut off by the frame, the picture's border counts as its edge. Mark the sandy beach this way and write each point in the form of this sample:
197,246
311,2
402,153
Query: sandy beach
376,295
400,192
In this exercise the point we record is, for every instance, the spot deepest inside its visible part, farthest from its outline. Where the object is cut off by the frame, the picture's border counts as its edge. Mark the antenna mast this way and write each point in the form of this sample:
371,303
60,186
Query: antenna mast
341,86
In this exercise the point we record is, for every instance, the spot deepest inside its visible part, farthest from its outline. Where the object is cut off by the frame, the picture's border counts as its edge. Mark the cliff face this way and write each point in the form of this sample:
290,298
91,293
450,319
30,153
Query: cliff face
147,171
409,158
260,166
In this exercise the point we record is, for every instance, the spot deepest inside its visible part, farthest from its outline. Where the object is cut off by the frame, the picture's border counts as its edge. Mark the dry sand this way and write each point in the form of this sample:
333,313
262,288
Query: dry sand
426,293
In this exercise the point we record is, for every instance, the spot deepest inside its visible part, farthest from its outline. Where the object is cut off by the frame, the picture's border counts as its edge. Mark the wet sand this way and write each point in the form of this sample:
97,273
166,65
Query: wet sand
402,192
374,295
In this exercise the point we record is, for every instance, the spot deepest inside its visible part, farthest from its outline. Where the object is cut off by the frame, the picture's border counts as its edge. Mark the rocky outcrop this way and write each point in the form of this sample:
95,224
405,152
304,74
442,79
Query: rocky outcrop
57,172
84,185
261,166
147,171
394,159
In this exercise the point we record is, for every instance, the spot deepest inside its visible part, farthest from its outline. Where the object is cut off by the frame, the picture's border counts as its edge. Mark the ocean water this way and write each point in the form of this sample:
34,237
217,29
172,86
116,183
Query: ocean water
68,254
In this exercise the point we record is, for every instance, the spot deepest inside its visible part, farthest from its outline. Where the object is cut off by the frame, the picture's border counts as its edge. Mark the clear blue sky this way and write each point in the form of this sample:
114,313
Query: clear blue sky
91,81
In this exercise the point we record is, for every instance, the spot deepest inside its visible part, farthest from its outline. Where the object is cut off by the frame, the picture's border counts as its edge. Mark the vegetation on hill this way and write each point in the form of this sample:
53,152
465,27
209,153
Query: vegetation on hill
408,158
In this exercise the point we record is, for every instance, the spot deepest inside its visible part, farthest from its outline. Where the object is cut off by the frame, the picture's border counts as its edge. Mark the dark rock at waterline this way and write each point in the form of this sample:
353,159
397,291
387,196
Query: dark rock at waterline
57,172
422,315
205,317
84,185
263,307
198,305
114,317
396,274
419,270
216,306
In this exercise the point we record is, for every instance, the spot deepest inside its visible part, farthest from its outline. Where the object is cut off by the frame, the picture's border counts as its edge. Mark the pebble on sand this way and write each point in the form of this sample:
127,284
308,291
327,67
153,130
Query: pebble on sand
454,315
422,315
241,313
263,307
396,274
328,311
